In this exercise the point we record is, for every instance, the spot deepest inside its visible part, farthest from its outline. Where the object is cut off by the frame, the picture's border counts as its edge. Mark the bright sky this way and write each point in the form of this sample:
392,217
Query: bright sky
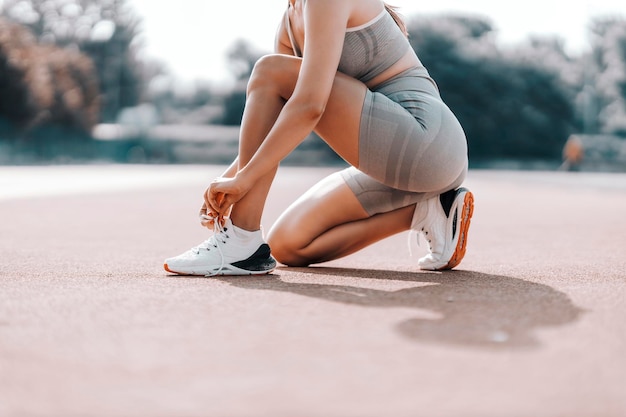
192,36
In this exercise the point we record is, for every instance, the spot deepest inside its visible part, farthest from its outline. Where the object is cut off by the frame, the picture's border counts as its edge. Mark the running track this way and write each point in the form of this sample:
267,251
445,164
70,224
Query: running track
531,324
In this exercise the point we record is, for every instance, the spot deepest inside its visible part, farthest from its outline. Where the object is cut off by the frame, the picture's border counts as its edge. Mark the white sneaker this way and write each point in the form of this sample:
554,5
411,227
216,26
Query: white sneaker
229,251
444,222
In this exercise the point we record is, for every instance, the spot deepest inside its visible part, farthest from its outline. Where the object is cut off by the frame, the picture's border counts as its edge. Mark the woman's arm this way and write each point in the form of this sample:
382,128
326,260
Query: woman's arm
282,45
325,25
207,216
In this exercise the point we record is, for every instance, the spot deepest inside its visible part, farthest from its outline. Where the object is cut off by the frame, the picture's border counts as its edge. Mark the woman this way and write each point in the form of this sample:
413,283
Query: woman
346,70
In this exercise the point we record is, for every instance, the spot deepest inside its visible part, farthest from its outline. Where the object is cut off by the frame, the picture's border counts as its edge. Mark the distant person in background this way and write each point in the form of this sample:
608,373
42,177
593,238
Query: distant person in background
344,69
573,154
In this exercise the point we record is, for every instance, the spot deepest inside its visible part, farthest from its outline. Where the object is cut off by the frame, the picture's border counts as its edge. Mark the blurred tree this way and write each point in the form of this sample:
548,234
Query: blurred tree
106,30
234,104
607,79
548,53
44,84
241,59
25,90
76,92
508,108
185,103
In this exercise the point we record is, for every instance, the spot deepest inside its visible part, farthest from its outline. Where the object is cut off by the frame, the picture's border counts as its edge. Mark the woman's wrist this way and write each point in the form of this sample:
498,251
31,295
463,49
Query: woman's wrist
246,177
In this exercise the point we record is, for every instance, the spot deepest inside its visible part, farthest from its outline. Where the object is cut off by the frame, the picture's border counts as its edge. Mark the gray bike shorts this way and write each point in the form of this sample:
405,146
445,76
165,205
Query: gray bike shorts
411,145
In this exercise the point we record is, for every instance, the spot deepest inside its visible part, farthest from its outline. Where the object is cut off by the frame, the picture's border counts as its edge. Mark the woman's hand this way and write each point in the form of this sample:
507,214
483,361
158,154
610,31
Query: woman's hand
220,196
208,217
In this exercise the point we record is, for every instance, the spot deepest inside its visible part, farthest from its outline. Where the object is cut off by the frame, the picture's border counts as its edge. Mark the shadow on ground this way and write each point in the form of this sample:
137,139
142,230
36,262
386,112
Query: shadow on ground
470,309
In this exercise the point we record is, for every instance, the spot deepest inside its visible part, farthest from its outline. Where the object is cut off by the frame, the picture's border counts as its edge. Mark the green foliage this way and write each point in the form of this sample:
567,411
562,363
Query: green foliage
241,59
234,104
508,108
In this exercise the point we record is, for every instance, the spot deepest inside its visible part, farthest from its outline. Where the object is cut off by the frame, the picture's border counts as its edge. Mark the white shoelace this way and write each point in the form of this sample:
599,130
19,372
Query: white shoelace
217,240
414,234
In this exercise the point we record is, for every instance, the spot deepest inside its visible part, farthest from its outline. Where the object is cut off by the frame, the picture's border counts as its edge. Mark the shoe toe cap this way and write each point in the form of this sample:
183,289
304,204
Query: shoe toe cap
430,263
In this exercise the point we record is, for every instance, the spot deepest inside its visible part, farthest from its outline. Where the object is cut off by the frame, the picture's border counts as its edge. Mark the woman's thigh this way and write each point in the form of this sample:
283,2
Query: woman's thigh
411,141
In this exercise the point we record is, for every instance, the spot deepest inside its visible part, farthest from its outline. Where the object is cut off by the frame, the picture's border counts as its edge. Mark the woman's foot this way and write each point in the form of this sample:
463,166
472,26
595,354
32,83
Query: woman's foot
230,251
444,221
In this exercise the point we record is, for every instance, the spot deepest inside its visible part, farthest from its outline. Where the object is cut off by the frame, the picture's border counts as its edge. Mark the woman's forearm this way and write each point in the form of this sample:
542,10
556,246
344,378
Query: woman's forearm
231,171
295,122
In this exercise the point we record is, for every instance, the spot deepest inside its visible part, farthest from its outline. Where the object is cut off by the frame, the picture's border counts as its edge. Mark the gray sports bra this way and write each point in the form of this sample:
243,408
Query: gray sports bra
369,49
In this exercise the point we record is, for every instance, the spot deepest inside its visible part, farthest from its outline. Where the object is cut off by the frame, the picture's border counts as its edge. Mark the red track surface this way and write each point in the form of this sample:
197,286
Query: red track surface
531,323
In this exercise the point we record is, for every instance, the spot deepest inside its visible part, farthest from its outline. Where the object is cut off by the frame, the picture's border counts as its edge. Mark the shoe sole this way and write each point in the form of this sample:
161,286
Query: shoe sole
226,270
466,216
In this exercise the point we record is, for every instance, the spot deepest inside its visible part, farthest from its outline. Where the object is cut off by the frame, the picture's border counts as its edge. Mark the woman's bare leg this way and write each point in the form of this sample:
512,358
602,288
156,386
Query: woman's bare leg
271,85
263,105
328,222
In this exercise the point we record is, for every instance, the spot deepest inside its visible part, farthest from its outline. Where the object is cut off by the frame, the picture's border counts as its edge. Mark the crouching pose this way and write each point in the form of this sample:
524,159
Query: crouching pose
344,69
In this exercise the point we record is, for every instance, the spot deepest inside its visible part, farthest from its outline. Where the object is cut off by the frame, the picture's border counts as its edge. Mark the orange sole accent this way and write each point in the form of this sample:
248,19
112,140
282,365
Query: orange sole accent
168,269
461,246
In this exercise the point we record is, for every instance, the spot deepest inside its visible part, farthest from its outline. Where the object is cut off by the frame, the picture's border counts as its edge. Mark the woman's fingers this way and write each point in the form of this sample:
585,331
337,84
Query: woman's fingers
209,201
222,194
216,200
202,210
219,198
207,217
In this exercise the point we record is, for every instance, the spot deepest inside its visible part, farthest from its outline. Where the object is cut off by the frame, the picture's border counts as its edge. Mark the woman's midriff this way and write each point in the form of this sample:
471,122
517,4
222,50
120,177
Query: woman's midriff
408,61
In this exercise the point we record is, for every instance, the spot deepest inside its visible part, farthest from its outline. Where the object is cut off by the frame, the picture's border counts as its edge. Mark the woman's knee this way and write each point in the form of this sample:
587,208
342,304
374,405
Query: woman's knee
284,248
274,71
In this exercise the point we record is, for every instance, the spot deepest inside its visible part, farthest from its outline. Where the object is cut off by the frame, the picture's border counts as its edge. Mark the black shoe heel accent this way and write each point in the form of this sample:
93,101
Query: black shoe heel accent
261,260
447,199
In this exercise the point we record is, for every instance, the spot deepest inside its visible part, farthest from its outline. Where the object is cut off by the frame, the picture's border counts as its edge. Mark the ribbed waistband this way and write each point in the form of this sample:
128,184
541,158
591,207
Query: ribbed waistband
414,79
